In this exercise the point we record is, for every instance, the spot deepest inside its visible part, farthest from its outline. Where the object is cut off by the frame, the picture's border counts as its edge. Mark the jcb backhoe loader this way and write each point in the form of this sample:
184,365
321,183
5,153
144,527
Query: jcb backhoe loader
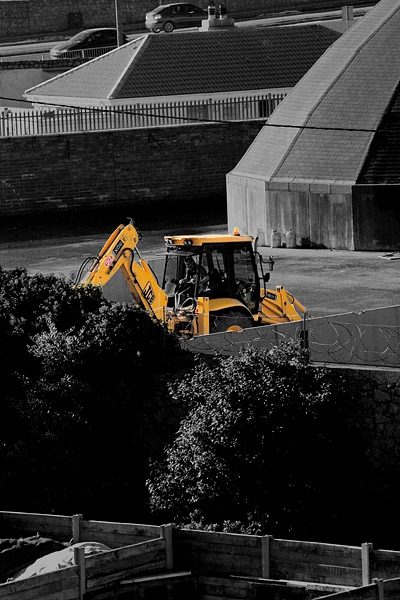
211,283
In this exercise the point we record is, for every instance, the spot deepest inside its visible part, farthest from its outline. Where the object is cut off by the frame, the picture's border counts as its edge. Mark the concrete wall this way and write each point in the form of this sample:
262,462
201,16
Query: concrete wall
323,215
320,215
376,210
17,77
134,168
370,339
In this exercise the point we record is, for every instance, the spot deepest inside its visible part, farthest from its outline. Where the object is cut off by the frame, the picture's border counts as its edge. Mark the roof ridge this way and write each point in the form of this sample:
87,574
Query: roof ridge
125,72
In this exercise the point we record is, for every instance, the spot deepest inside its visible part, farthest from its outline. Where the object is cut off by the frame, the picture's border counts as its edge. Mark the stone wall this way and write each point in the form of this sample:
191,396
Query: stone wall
135,168
376,415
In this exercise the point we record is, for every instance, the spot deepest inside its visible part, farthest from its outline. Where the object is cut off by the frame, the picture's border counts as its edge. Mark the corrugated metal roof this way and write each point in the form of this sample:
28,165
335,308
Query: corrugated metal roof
237,59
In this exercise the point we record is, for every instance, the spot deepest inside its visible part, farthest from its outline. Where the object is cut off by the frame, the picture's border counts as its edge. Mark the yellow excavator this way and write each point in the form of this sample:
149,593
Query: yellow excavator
210,283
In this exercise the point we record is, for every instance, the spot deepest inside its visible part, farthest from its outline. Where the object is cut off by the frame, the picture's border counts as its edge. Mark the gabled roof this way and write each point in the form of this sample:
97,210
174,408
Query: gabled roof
323,130
237,59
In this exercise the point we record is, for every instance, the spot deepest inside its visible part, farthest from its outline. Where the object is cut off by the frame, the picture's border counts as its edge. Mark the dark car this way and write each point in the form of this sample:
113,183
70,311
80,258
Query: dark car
174,16
88,43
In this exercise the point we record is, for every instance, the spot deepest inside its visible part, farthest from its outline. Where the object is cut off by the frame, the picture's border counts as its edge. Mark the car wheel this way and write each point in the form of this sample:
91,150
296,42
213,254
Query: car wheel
168,27
229,320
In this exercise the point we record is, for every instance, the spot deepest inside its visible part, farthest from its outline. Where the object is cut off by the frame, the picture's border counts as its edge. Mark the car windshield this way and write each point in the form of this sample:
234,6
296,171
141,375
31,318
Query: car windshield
158,9
79,37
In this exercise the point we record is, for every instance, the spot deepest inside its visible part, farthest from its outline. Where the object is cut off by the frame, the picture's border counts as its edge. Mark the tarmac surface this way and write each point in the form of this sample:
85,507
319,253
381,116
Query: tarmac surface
326,282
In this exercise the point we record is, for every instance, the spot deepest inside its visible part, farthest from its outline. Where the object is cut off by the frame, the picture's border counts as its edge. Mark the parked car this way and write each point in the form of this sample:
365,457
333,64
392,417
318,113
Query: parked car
168,17
88,43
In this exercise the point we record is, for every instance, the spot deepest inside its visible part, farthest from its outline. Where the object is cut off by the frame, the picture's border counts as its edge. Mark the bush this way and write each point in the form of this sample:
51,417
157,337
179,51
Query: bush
264,440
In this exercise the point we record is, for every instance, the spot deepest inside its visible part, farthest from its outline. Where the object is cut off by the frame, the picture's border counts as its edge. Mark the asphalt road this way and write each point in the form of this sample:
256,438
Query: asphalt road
39,49
327,282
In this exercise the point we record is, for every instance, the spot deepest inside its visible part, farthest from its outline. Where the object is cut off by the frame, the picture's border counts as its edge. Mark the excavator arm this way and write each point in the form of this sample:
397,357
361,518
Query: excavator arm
119,253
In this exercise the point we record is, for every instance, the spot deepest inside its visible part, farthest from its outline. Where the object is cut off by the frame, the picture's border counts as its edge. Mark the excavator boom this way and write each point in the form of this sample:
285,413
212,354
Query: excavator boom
119,253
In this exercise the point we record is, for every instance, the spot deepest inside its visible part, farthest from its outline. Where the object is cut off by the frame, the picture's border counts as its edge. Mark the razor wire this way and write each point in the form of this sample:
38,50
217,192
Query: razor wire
328,341
354,343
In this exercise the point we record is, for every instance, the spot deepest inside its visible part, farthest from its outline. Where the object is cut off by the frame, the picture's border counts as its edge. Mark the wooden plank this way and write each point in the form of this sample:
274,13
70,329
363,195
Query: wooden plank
24,524
230,564
141,564
60,583
105,559
122,574
143,561
384,564
390,588
367,592
45,594
160,578
323,573
217,587
214,537
205,547
124,563
266,544
167,533
313,552
365,562
120,534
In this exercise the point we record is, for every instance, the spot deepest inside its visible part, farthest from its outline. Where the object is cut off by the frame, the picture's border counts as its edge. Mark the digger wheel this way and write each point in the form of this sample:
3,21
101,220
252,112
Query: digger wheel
229,320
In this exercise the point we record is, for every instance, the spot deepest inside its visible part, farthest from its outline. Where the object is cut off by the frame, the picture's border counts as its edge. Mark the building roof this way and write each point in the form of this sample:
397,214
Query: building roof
323,130
237,59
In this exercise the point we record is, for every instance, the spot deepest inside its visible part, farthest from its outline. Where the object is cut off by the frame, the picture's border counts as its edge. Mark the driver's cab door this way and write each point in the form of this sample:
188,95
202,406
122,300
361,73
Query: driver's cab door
175,272
231,273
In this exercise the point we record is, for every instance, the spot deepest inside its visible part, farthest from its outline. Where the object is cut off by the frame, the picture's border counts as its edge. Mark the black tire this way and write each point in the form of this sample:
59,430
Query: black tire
229,320
168,27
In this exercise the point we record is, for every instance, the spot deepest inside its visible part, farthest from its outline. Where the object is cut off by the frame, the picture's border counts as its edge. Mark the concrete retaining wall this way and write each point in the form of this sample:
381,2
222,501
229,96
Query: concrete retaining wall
321,217
367,339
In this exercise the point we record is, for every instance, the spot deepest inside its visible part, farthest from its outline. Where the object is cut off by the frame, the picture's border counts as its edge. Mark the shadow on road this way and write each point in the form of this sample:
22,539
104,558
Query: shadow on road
103,222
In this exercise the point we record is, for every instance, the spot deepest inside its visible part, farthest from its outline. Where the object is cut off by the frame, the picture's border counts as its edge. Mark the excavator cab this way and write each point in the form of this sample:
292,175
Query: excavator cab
225,271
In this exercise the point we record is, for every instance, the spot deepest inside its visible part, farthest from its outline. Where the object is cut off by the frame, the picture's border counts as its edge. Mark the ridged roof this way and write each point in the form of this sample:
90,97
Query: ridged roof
323,130
237,59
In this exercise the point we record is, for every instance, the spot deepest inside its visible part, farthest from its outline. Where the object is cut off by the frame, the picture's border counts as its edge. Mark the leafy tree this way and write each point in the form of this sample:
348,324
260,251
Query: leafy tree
85,408
263,443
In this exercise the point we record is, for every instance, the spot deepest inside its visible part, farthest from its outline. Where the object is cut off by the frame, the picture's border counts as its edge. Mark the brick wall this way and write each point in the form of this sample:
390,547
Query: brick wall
120,168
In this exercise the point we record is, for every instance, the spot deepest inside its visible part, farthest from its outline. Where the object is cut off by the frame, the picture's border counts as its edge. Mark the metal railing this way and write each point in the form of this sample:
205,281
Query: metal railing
86,53
14,122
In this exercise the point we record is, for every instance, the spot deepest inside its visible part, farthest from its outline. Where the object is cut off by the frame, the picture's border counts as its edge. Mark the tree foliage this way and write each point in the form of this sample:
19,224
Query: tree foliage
263,443
83,398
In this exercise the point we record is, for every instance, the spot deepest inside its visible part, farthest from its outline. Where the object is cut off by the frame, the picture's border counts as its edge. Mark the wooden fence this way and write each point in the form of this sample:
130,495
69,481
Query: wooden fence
75,528
16,123
218,564
378,590
269,558
90,573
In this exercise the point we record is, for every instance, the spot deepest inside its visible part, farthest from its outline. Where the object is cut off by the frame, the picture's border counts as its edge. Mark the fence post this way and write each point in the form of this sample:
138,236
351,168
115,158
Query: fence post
79,560
166,532
76,528
379,588
366,572
266,542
